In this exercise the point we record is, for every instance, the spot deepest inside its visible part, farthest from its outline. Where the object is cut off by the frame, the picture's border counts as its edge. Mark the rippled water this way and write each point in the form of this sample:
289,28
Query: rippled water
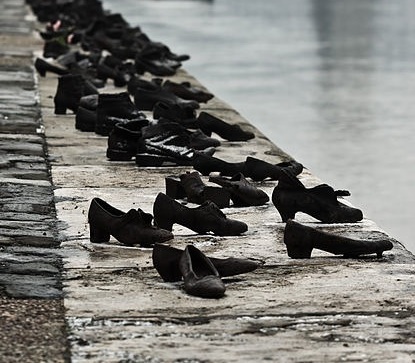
331,82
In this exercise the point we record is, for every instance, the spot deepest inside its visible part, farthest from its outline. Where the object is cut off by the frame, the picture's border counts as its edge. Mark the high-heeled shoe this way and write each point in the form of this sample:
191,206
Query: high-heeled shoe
166,261
301,240
203,219
291,196
131,228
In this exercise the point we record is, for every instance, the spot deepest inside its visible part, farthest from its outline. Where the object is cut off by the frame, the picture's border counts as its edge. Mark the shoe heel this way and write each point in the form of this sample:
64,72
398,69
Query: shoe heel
60,110
97,235
286,214
163,212
174,188
42,72
162,221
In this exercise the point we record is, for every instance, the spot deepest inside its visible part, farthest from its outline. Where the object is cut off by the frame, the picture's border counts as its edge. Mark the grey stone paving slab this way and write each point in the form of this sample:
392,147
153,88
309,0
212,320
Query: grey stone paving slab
118,308
285,338
33,328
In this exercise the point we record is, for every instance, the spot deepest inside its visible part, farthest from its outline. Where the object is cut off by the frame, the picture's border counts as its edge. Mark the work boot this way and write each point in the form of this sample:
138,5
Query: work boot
70,90
117,105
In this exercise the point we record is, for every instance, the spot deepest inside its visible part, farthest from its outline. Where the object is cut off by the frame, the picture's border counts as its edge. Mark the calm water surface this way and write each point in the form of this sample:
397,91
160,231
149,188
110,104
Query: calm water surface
331,82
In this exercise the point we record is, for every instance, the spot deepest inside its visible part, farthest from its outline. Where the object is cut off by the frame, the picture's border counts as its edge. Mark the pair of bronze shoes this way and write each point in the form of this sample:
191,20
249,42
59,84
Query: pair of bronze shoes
202,275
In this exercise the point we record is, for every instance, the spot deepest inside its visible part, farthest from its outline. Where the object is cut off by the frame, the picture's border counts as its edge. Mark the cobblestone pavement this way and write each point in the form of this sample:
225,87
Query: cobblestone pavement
107,302
33,327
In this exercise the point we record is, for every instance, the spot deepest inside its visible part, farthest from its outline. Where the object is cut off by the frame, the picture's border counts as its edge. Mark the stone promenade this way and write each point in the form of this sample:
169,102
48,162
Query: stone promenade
65,299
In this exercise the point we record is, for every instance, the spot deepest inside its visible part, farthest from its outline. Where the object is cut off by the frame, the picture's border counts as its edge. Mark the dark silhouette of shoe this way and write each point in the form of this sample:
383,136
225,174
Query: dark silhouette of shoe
131,228
200,275
259,170
166,262
191,187
209,123
291,196
242,193
117,74
206,164
147,94
54,48
203,219
123,140
186,91
301,240
89,102
43,67
118,105
185,116
85,119
153,60
178,135
86,115
69,92
167,152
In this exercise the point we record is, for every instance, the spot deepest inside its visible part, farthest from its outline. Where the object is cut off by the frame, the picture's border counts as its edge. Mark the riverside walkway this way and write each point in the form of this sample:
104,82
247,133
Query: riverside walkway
65,299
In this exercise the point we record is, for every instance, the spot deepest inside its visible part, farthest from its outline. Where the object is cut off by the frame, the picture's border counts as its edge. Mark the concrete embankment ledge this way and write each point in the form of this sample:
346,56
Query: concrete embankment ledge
65,299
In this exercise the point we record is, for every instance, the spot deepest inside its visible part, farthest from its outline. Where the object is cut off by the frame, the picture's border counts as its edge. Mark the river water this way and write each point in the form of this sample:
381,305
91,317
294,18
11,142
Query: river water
331,82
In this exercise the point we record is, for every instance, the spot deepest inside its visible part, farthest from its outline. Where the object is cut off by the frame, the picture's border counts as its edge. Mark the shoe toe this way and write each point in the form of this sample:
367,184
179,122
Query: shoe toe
208,286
